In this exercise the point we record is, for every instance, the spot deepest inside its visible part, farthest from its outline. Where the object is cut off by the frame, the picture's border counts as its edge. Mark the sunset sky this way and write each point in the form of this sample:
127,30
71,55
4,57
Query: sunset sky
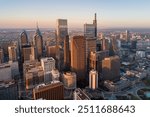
110,13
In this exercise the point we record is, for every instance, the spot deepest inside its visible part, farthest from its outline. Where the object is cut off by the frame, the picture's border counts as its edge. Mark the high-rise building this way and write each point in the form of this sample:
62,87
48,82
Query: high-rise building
48,65
33,74
105,44
111,68
69,80
51,51
54,91
66,53
28,53
96,59
90,30
24,38
12,52
62,31
127,35
38,43
1,55
78,56
93,79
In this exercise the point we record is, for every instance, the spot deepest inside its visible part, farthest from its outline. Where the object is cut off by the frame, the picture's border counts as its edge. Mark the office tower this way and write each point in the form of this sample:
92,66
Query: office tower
93,79
111,68
80,95
24,38
90,30
111,49
1,55
69,80
96,60
48,65
54,91
51,51
105,44
38,43
78,56
62,31
127,35
8,90
98,45
55,75
33,74
12,52
66,53
28,53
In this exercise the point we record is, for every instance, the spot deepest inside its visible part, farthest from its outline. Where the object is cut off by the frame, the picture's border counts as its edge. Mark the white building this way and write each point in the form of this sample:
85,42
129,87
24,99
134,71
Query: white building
48,64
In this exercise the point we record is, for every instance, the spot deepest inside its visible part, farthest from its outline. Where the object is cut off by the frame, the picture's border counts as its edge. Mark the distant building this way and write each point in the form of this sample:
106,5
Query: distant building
93,79
38,43
8,90
111,68
12,52
78,56
54,91
69,80
127,35
48,64
1,56
80,95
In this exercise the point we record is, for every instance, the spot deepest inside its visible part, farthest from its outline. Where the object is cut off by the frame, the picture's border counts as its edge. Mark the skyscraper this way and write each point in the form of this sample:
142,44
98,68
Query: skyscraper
12,52
111,68
90,30
66,53
78,56
93,79
28,53
48,65
95,24
127,35
62,31
38,43
24,38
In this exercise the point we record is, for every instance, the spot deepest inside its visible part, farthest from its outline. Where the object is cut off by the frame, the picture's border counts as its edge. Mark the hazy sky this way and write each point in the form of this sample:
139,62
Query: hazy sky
110,13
